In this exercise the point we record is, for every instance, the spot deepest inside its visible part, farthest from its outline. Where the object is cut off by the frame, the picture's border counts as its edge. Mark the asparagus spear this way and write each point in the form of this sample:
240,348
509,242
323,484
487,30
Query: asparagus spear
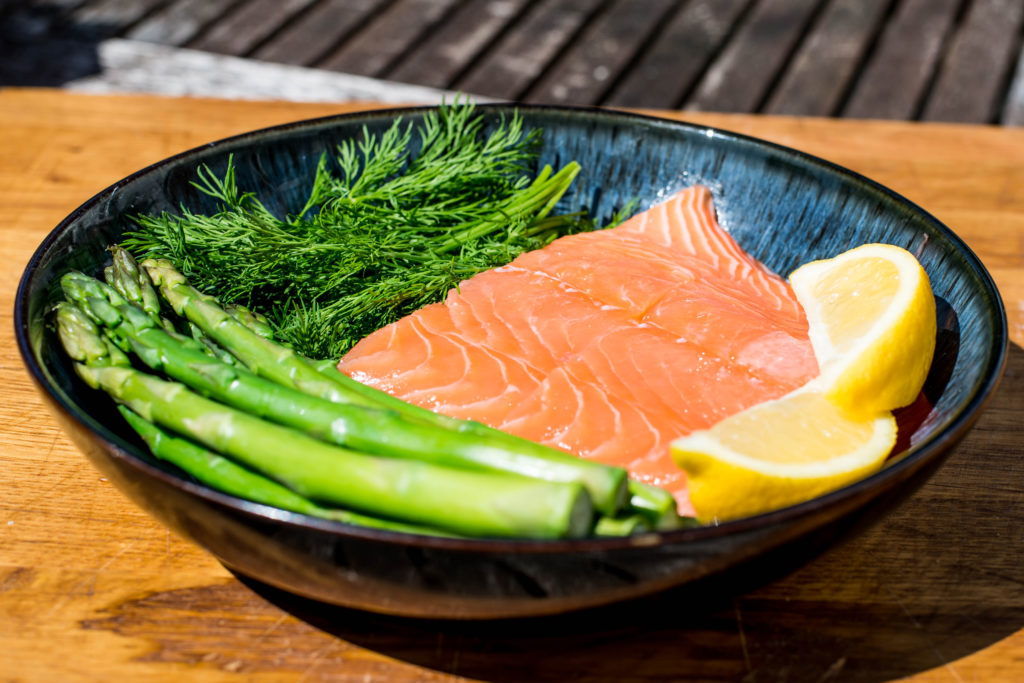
465,502
368,430
621,526
607,485
251,344
656,505
229,477
254,348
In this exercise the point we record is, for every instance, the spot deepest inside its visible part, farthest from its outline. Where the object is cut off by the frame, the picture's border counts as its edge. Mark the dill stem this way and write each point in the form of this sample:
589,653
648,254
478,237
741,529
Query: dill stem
540,197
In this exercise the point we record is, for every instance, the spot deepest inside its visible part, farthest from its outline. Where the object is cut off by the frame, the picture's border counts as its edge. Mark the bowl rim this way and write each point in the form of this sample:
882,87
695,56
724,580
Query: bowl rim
915,457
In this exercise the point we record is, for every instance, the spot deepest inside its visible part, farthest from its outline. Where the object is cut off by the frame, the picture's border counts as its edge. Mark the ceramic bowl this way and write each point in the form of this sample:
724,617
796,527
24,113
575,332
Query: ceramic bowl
782,206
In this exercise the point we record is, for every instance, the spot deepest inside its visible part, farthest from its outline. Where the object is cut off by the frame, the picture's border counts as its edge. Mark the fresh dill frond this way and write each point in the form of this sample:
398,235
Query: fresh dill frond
391,223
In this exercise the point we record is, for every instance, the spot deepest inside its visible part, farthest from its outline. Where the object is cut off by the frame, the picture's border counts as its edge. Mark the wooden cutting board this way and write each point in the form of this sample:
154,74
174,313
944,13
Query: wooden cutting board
92,588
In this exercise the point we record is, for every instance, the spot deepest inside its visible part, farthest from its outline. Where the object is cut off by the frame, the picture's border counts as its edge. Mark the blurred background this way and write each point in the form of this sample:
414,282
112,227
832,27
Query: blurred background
943,60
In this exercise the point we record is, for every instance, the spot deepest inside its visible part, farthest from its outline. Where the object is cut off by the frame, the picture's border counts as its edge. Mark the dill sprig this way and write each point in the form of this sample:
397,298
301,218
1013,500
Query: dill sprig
382,233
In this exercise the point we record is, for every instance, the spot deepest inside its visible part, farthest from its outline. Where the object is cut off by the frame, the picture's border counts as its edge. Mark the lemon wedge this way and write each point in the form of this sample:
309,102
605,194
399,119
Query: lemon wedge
871,317
779,453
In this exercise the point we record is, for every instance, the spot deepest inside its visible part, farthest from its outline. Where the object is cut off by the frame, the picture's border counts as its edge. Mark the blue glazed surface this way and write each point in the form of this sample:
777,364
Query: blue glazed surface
782,206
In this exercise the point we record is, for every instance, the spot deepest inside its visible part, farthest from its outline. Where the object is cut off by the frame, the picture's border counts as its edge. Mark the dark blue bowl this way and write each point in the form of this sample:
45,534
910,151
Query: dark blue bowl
782,206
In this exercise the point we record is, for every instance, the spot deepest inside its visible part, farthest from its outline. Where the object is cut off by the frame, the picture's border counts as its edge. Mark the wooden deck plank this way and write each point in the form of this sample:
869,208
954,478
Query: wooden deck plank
742,75
1013,109
896,77
103,18
387,38
178,22
821,71
975,69
318,31
599,55
247,25
518,59
668,71
447,52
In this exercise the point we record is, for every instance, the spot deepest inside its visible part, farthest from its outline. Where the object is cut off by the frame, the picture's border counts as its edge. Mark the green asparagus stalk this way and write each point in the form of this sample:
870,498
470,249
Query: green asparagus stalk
367,430
484,447
464,502
656,505
227,476
622,526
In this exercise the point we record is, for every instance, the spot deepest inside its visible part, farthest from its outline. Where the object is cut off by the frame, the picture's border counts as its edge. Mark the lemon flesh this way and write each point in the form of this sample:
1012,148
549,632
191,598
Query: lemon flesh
871,319
780,453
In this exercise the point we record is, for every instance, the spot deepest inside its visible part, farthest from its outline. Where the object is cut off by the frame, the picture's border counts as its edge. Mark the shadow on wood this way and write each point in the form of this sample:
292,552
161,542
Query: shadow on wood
870,609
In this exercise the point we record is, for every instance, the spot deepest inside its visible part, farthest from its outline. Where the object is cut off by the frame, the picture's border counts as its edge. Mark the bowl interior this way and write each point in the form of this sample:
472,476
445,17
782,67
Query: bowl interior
783,207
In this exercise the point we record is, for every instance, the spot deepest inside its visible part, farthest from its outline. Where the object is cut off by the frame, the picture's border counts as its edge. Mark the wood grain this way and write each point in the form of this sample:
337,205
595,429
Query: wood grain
247,25
522,54
454,46
827,59
178,22
316,32
387,37
102,18
667,71
970,83
895,80
742,75
93,589
599,55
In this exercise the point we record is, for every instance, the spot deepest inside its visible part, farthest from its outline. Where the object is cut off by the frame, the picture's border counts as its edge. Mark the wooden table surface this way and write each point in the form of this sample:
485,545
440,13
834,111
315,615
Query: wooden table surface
90,587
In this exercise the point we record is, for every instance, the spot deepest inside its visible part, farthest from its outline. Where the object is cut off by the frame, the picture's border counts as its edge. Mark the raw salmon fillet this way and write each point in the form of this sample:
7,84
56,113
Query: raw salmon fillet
607,344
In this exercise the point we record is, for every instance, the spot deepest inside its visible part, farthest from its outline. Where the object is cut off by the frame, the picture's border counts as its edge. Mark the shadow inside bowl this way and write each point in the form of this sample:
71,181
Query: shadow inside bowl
947,346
